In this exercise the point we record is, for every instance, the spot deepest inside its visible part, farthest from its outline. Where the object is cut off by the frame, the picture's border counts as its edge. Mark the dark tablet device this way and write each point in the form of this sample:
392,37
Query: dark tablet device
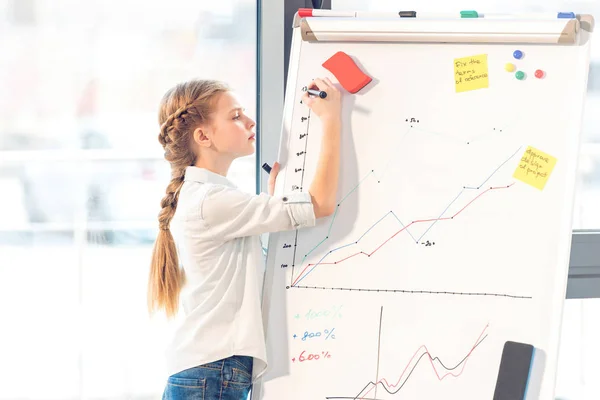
514,371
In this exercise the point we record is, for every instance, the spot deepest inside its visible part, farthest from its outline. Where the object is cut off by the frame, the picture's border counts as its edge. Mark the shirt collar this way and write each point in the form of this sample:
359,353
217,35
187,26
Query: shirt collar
203,175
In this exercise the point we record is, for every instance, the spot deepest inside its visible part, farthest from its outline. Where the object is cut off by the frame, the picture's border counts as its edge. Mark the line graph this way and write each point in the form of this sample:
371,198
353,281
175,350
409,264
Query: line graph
419,355
411,128
404,227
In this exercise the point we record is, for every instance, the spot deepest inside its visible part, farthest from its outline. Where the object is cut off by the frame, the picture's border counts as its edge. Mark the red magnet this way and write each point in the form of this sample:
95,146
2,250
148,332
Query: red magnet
539,74
348,74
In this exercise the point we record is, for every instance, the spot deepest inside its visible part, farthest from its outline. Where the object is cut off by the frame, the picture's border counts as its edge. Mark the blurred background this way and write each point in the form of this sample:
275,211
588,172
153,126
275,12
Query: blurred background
82,175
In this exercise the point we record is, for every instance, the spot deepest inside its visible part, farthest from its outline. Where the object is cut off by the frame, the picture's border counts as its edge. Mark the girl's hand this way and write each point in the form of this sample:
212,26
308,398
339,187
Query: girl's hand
272,177
328,109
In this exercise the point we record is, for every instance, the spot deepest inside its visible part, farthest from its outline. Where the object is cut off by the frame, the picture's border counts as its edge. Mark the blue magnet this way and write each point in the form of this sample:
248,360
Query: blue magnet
518,54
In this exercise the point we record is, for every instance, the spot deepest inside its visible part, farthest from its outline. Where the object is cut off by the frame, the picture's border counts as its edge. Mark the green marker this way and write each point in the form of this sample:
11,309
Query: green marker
469,14
520,75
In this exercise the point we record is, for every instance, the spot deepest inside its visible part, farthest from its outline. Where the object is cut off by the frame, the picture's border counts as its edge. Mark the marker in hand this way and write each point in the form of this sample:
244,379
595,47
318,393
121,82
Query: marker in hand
318,93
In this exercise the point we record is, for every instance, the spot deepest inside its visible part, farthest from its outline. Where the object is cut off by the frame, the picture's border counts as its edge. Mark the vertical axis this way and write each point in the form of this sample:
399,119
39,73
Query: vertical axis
305,149
301,188
378,351
294,258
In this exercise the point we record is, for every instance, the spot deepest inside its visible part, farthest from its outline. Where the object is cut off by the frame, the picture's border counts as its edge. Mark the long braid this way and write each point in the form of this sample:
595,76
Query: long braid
169,202
191,105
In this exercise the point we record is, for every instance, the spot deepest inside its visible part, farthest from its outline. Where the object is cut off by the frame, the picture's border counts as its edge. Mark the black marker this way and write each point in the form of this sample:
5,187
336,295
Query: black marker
319,93
407,14
267,168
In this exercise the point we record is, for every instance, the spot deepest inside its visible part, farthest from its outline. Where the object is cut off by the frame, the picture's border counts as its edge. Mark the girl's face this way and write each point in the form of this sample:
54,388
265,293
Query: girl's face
231,130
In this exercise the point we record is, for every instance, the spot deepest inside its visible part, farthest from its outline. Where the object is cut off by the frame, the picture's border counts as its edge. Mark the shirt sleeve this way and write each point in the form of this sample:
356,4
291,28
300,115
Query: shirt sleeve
230,213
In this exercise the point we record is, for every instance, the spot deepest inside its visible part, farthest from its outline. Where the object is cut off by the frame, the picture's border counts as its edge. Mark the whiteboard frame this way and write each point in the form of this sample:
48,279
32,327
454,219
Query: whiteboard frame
581,36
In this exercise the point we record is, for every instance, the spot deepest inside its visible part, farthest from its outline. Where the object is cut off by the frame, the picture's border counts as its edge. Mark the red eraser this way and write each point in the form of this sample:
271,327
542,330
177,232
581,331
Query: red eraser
347,72
305,12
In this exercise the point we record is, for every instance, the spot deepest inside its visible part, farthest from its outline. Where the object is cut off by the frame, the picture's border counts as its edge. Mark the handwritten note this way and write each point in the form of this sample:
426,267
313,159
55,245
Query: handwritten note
471,73
535,168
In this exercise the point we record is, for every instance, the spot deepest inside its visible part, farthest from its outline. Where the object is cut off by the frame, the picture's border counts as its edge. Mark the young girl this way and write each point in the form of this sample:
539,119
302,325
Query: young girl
208,246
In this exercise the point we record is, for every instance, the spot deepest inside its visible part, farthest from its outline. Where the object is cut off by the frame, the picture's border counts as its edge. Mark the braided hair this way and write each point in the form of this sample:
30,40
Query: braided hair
182,109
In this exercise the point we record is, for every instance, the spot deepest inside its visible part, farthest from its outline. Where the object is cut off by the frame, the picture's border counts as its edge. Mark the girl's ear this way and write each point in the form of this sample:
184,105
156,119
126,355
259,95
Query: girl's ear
201,137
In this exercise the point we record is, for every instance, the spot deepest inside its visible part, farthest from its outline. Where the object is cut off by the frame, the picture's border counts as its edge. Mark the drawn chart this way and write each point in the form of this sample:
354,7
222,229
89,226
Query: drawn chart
422,358
304,266
480,189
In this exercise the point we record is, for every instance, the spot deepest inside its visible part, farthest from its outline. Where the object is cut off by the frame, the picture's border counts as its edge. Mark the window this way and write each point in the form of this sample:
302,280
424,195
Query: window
587,213
82,175
577,369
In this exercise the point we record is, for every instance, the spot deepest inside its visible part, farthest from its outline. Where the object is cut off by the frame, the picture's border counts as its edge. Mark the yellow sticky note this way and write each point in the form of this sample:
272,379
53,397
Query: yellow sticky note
535,168
471,73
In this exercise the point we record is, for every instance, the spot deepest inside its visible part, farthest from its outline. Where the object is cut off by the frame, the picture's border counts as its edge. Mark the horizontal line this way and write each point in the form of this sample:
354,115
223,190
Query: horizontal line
584,276
405,291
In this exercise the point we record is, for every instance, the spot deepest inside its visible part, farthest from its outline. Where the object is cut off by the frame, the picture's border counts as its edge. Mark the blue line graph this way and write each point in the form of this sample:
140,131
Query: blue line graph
470,188
404,227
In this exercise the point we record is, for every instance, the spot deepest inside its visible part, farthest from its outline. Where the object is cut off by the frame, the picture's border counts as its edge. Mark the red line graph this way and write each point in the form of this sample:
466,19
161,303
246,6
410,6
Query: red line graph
431,359
401,230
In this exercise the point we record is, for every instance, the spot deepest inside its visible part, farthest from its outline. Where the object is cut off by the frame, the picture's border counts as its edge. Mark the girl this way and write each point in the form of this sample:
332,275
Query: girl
208,246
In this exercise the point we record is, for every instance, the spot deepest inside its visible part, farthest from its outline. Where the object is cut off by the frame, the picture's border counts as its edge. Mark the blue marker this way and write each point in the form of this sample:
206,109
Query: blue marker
566,15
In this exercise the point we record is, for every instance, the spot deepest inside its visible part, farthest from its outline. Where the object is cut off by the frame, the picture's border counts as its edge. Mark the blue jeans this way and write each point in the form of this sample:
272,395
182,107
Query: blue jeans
228,379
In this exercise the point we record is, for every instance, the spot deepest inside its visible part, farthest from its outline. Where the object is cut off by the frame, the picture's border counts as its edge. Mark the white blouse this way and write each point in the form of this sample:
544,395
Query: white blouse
216,228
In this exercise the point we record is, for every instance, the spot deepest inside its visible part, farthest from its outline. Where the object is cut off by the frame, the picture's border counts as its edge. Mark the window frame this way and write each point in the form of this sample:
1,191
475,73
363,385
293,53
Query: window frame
584,265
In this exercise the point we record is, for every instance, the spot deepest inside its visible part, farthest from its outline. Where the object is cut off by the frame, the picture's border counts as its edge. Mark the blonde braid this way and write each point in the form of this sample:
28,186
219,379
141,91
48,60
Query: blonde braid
183,109
172,141
165,137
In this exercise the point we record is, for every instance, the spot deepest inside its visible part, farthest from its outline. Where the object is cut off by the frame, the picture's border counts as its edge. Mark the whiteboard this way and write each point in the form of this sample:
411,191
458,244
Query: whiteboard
439,251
